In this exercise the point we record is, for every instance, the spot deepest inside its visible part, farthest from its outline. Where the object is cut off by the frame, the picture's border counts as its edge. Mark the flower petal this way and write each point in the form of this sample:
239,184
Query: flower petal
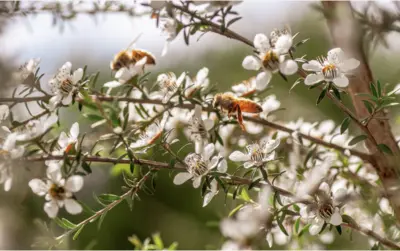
74,131
72,206
312,79
261,42
251,63
239,156
197,182
51,208
63,140
38,187
77,75
312,65
67,100
208,124
223,166
7,184
349,64
336,218
288,67
74,183
112,84
335,56
207,198
341,81
284,43
262,80
316,226
248,164
208,151
181,178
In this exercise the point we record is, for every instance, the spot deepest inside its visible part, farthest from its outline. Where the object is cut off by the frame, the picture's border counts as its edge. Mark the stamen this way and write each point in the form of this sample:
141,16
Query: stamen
57,192
197,166
271,61
325,210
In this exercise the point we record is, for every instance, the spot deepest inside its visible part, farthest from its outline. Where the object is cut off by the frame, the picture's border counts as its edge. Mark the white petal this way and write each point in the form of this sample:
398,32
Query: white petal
4,112
269,239
51,208
72,206
74,183
38,187
284,43
213,163
74,132
207,198
239,156
288,67
112,84
316,226
248,164
312,79
202,75
78,74
197,111
339,194
251,63
261,42
223,166
263,80
54,101
54,175
180,79
312,65
67,100
325,188
181,178
341,81
63,140
51,120
208,151
349,64
335,56
165,49
336,218
208,124
197,182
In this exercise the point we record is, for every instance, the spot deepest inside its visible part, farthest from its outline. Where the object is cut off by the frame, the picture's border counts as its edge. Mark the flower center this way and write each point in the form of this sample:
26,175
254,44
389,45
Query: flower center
197,166
271,60
197,129
66,87
57,192
325,210
168,85
330,71
256,153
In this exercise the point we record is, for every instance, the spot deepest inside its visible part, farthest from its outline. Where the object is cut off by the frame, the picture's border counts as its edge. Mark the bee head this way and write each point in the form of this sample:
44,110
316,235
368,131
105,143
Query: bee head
217,100
122,59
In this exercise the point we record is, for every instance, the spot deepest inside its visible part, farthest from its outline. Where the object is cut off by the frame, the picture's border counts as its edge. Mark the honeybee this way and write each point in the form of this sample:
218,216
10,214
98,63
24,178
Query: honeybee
233,105
126,57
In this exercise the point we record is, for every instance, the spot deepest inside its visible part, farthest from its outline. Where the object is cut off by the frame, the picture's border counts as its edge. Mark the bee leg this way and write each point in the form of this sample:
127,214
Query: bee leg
240,119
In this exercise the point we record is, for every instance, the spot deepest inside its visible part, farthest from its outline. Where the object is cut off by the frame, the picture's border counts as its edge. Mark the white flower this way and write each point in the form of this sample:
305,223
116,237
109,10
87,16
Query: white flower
257,153
9,152
4,112
36,128
67,142
269,59
169,28
199,164
58,192
250,86
325,209
201,81
269,105
210,195
281,40
199,127
151,134
64,85
169,84
29,68
333,69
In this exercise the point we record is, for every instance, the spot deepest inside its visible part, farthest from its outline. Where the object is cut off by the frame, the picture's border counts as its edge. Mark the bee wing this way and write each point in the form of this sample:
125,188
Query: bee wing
132,44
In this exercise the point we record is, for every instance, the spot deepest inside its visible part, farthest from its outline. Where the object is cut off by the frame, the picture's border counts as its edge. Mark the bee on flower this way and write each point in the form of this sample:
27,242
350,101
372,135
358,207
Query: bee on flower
332,69
269,59
58,192
257,153
64,85
128,64
200,164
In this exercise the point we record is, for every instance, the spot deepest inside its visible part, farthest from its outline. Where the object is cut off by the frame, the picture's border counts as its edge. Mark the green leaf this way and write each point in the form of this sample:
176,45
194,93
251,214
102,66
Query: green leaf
254,183
173,246
379,87
304,229
358,139
78,232
339,229
373,90
297,225
64,223
321,96
158,241
86,167
245,195
282,228
345,125
336,93
108,197
385,149
368,105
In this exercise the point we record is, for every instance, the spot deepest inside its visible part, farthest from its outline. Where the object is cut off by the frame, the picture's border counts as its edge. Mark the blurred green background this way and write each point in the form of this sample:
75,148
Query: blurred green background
174,211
